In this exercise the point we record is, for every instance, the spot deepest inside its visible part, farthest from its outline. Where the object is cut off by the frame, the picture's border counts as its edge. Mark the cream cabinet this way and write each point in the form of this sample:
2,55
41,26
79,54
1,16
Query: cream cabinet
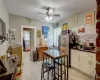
75,59
83,61
85,65
93,71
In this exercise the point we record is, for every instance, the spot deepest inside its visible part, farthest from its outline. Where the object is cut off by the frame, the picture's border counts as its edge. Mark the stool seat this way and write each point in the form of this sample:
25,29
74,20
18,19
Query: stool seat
48,69
48,65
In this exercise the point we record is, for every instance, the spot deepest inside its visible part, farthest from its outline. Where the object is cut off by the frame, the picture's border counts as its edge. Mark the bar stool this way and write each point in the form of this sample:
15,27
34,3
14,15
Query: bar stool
49,69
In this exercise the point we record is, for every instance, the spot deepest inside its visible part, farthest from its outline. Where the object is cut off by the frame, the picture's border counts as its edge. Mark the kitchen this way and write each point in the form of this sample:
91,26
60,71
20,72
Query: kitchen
82,56
75,35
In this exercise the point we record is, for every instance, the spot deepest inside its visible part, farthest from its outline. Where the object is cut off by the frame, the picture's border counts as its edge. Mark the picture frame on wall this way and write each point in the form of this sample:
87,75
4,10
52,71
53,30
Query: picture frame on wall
65,27
75,20
39,33
81,30
45,31
89,18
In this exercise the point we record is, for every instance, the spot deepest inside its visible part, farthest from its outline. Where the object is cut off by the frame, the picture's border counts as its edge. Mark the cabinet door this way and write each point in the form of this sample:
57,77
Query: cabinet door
93,66
85,65
75,59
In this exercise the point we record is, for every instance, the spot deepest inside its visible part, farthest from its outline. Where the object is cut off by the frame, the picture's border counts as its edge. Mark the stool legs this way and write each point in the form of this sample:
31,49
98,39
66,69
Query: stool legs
48,75
52,75
41,72
45,71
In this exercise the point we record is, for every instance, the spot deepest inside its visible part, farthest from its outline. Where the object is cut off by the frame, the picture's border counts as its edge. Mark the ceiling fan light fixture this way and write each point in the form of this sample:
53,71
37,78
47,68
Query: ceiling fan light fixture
47,18
50,17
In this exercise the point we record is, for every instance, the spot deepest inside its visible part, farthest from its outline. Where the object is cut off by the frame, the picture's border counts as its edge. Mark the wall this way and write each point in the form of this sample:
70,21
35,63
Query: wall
0,28
17,21
4,15
72,24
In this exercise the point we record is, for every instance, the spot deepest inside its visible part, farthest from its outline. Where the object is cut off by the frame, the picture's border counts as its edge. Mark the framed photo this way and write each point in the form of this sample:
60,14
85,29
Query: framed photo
81,30
65,27
45,30
39,33
75,20
89,18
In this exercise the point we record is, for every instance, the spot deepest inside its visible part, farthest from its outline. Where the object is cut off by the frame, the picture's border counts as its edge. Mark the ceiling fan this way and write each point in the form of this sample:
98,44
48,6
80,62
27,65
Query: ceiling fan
49,14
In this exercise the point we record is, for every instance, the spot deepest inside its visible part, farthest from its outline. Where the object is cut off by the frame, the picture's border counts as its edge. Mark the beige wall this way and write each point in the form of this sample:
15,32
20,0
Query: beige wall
0,28
72,24
5,17
17,21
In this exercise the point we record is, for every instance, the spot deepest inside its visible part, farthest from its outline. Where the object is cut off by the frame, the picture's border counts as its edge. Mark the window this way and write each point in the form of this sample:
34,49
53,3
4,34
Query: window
57,33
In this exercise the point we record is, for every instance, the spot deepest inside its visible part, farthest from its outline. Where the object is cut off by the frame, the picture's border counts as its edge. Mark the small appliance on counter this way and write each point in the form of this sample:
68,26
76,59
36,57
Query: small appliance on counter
87,47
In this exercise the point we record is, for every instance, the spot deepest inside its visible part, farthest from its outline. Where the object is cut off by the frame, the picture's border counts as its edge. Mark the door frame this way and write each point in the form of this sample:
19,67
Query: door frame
31,27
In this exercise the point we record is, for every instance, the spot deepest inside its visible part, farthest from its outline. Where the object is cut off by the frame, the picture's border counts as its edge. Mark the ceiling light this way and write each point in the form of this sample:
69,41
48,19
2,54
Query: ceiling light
50,18
47,18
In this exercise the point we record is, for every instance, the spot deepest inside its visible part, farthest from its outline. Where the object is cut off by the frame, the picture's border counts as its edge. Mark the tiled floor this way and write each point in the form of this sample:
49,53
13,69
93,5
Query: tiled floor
32,70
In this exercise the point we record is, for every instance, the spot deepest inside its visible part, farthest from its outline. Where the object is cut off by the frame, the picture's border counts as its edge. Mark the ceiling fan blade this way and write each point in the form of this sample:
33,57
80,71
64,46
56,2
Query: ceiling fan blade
56,15
42,18
45,7
41,13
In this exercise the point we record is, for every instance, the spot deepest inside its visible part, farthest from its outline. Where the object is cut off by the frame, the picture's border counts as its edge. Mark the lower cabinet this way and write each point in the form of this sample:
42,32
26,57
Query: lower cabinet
40,52
93,67
83,61
85,65
75,59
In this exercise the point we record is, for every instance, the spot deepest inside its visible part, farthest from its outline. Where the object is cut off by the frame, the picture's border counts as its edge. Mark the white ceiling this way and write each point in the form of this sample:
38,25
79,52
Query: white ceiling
30,8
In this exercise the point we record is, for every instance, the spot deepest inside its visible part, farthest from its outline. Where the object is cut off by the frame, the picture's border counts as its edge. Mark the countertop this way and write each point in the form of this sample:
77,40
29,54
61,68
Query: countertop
93,52
54,53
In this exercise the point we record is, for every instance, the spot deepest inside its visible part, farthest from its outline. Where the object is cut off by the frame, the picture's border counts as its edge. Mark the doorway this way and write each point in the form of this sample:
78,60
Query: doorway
28,36
26,39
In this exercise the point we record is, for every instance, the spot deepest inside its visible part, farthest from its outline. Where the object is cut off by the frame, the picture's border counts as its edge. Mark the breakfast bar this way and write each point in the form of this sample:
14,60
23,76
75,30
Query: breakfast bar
57,61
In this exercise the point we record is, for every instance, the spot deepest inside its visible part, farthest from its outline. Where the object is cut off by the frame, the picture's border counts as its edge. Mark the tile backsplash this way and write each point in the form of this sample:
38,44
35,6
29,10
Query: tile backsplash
89,38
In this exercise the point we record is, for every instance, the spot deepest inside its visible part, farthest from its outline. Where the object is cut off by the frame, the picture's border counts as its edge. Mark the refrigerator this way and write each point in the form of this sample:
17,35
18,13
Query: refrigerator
63,45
